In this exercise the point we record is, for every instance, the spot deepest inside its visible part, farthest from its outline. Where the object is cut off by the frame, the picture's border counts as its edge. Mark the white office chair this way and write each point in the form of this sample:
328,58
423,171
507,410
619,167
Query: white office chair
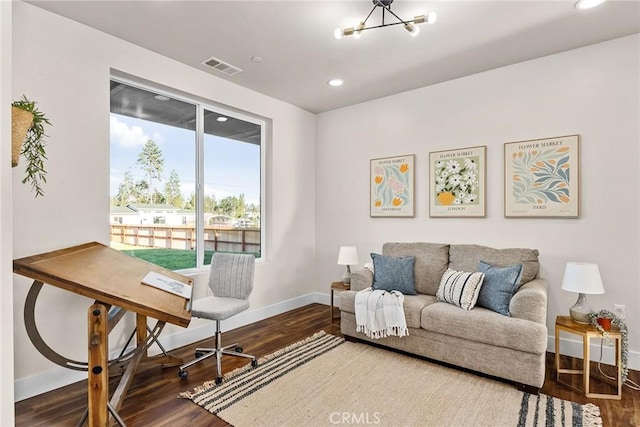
231,280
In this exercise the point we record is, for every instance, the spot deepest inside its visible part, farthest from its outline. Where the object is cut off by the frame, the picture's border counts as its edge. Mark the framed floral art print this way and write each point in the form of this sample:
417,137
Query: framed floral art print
541,178
392,186
457,182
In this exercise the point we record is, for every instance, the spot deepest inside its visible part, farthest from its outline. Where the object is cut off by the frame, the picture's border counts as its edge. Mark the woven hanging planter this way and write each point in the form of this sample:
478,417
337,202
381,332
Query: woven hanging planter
21,121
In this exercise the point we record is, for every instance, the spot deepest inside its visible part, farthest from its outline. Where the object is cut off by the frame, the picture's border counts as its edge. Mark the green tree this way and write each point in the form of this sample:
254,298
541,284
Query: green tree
172,193
190,203
239,206
152,164
226,206
126,190
210,203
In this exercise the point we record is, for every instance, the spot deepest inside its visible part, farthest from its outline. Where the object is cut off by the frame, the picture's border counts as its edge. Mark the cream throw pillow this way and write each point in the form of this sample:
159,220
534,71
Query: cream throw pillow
460,288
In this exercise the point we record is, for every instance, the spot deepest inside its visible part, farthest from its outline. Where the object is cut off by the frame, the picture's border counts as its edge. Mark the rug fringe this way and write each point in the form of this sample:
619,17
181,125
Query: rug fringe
247,367
591,415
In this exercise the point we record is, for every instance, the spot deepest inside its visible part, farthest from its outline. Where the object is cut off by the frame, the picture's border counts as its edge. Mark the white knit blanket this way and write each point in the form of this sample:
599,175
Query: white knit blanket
379,314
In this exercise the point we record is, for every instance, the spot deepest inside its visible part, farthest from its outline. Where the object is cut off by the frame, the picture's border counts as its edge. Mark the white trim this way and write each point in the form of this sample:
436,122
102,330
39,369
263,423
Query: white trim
58,376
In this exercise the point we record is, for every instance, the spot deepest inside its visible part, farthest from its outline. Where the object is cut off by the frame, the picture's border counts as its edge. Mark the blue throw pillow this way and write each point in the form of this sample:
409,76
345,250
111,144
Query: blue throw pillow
393,274
500,283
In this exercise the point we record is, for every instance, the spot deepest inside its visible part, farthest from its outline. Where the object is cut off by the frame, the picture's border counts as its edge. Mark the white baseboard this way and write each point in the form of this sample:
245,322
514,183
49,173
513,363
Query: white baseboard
58,376
573,348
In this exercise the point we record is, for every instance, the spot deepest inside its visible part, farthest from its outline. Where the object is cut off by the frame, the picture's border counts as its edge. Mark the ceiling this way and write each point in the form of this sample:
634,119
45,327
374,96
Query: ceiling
300,54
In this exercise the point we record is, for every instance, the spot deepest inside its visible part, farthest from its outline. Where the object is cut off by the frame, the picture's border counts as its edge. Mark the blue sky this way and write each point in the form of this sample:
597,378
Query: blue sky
231,167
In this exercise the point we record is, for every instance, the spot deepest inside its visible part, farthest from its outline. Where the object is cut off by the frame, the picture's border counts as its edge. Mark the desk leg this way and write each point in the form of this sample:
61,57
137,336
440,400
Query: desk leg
141,331
586,362
557,354
98,381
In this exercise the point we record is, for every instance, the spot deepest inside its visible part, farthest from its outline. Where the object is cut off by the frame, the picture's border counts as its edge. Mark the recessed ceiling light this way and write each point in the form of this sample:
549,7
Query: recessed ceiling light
256,59
588,4
222,119
335,82
161,97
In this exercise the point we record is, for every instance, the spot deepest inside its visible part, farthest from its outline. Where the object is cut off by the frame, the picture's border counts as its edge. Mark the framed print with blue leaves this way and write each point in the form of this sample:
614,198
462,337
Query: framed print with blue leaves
457,182
392,187
542,178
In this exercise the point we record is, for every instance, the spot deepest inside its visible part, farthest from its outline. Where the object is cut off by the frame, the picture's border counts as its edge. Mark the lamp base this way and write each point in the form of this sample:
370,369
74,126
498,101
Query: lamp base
346,279
580,310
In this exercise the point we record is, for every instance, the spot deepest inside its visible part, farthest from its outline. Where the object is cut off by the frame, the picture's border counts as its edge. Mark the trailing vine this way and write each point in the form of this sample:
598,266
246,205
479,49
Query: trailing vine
619,323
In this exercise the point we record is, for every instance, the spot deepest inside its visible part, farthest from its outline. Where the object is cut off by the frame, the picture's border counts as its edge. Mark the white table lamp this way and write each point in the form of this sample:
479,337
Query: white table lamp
348,256
583,278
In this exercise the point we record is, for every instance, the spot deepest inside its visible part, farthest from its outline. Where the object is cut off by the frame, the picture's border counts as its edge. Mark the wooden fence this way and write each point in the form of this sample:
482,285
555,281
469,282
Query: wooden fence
184,237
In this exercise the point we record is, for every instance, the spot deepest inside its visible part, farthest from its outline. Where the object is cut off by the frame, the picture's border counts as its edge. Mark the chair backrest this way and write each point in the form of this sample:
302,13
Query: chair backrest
231,275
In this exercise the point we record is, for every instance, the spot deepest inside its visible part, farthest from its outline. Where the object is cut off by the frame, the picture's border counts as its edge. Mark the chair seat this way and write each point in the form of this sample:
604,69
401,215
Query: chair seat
218,308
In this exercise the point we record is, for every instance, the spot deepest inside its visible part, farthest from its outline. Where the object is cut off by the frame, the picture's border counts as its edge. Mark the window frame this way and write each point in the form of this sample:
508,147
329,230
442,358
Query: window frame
201,105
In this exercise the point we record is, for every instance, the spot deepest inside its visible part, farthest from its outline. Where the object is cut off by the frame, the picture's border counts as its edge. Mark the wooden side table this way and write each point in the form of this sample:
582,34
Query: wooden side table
587,332
337,286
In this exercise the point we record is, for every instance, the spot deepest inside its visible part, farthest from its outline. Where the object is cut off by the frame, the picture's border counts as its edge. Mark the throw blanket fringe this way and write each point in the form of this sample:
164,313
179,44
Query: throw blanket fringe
379,314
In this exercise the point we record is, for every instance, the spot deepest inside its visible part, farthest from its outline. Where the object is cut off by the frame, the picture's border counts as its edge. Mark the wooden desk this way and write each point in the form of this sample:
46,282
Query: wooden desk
113,279
587,332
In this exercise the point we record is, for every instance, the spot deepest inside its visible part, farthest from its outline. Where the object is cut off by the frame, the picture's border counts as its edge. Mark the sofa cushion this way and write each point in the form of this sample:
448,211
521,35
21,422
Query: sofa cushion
413,306
432,260
500,283
485,326
460,288
467,258
393,273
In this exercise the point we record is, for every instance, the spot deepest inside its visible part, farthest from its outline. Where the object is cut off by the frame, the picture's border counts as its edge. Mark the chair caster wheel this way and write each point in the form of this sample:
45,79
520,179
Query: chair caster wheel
183,374
218,380
254,363
199,354
239,349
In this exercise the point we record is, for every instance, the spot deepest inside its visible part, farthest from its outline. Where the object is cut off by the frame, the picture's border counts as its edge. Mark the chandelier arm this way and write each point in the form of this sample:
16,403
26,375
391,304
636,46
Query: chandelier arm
388,8
369,15
384,25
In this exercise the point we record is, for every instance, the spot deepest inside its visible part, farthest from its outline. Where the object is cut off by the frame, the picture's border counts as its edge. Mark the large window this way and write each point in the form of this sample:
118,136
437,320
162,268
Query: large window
185,178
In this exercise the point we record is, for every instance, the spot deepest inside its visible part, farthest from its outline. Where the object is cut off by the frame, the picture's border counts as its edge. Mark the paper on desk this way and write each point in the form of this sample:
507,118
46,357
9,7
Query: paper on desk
167,284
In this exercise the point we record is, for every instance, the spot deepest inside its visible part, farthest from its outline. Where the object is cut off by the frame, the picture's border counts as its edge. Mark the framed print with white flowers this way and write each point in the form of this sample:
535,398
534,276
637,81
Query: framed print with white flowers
457,182
541,178
392,187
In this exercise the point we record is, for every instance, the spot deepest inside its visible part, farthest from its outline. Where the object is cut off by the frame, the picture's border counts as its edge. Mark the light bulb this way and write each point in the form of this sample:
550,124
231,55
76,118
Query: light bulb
338,33
413,30
358,31
432,17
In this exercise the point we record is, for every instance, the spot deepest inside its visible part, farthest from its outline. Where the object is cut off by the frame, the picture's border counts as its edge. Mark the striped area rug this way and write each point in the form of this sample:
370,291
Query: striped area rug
323,381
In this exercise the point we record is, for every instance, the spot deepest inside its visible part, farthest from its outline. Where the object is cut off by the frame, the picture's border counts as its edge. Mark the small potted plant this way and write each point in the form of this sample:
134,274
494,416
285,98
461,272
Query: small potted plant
28,139
603,320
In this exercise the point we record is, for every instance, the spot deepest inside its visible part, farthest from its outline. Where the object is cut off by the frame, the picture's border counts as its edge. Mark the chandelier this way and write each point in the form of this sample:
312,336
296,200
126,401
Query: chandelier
385,5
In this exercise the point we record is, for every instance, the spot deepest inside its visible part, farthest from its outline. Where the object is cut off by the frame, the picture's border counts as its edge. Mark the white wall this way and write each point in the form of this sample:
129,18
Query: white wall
593,92
66,67
6,290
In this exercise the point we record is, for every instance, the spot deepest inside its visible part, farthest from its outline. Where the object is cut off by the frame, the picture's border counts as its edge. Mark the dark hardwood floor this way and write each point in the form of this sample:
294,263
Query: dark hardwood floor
152,398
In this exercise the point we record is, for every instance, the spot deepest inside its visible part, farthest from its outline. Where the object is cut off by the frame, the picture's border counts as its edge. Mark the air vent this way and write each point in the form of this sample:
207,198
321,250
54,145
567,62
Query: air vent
223,67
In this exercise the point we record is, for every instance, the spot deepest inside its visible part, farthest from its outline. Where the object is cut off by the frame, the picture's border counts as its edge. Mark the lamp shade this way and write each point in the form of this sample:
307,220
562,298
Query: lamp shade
348,255
582,277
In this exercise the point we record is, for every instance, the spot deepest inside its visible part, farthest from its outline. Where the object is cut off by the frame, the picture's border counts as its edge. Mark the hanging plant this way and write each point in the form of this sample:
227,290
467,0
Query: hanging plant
619,323
33,146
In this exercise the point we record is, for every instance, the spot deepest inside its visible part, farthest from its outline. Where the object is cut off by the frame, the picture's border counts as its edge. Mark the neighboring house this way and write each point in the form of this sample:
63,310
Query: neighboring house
149,214
218,220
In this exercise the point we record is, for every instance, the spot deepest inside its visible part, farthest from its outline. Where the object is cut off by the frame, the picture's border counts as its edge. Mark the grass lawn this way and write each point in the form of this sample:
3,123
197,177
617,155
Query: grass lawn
173,259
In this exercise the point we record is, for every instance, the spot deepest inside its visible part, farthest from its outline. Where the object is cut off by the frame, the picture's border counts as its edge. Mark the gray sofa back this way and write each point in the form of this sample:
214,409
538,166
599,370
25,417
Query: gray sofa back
432,259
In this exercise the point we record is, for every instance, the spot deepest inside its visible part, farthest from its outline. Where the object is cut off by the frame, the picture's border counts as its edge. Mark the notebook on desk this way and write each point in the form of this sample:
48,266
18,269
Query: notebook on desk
167,284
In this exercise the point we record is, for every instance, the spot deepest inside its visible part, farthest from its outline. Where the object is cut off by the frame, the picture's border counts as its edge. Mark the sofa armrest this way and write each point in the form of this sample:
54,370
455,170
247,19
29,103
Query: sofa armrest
530,302
361,279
